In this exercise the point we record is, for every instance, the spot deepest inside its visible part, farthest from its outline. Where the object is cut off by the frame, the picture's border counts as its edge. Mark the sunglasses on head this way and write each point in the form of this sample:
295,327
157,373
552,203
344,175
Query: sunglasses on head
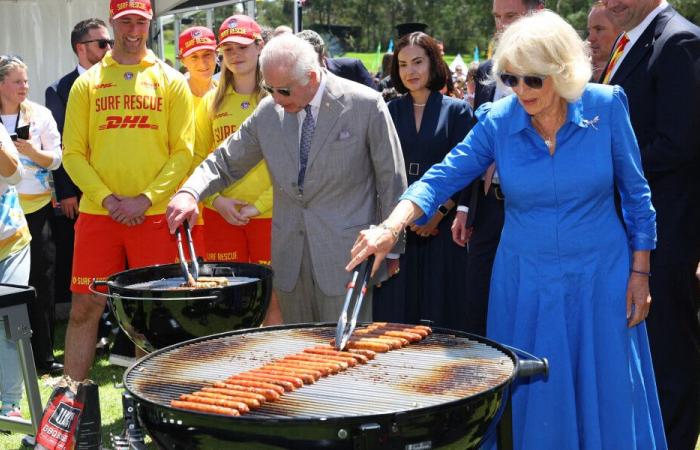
531,81
102,43
285,92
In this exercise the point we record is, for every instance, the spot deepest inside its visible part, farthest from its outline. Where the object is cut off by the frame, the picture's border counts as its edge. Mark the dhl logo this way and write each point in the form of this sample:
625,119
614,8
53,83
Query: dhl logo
105,85
127,122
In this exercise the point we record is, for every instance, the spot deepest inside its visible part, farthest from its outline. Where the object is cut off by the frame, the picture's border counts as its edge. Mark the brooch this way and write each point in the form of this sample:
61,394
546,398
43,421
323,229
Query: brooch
592,123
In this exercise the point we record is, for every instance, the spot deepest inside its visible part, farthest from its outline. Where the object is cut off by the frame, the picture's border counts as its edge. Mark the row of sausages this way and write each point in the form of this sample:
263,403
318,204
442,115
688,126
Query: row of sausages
244,391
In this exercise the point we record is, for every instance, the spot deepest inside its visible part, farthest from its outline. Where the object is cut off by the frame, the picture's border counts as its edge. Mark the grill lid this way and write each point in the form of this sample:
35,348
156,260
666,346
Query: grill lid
441,368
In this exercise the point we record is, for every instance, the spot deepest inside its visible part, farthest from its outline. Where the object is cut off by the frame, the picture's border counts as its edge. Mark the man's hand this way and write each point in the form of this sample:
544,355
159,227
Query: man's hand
183,206
460,233
69,206
430,228
230,210
131,208
111,203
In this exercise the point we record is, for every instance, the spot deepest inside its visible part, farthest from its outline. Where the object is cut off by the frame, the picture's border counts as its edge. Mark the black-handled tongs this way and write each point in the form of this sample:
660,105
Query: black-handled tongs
190,277
344,329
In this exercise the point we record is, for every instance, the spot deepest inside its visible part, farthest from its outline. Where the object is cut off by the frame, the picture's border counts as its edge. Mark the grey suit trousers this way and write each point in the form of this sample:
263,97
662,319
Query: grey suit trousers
307,302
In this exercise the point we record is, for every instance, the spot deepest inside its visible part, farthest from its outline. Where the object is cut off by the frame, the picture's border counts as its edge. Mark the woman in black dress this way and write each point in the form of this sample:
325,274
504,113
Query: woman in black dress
430,282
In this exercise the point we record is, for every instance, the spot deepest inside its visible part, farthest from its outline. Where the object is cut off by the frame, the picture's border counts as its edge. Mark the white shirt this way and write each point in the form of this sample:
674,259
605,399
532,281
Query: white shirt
81,70
635,33
315,104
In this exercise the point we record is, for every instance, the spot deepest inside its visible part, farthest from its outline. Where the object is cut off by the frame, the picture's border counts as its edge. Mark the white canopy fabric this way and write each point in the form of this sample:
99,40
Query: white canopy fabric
39,32
458,61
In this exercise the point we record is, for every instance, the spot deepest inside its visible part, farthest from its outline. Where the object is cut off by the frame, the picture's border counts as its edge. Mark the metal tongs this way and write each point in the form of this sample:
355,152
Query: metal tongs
344,329
190,278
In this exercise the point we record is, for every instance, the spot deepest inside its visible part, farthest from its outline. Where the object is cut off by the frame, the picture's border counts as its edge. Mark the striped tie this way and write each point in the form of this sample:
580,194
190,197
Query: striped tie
619,48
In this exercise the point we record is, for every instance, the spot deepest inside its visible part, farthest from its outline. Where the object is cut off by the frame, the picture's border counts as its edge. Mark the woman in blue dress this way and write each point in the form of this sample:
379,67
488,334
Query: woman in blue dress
430,282
570,281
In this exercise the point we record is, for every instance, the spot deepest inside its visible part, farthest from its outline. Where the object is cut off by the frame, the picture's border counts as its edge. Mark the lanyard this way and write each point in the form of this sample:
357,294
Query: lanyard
16,121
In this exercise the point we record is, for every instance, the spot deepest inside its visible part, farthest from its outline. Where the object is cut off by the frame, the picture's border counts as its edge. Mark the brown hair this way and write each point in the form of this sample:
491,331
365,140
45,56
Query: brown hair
226,80
439,72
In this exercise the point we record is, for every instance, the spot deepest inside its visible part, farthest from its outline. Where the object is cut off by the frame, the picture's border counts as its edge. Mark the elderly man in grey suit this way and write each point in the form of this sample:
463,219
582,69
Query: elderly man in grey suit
336,166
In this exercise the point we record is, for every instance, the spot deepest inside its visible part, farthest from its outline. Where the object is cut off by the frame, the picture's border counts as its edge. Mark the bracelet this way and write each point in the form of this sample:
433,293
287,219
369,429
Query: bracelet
641,272
393,232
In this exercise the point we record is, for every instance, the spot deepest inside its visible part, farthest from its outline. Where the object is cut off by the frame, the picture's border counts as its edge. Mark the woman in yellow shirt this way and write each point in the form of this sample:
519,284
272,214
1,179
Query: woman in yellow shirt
237,222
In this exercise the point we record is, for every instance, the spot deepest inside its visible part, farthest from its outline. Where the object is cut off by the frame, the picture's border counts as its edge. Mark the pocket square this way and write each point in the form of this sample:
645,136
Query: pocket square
343,135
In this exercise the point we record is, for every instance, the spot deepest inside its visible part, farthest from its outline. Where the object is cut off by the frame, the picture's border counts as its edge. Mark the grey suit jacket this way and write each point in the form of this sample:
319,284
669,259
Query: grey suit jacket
354,177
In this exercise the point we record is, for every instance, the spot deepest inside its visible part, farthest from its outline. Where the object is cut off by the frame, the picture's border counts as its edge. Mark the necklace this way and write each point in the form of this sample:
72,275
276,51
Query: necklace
420,105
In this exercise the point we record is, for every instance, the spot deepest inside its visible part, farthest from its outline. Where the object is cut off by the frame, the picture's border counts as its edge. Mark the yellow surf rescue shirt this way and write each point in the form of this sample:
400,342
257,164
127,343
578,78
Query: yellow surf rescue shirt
129,130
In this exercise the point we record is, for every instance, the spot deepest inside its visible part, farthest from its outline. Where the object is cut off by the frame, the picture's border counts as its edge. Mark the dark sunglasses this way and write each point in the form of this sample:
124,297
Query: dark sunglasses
102,43
531,81
285,92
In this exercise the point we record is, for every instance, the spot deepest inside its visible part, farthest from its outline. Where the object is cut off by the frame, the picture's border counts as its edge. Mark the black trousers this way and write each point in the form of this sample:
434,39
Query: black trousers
488,224
674,338
63,233
41,277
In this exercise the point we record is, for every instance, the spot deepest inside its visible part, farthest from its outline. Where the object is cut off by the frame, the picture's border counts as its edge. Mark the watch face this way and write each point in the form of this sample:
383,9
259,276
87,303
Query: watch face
443,210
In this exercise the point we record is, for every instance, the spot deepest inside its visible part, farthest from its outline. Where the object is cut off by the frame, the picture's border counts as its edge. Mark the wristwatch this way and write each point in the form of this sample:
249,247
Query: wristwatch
442,209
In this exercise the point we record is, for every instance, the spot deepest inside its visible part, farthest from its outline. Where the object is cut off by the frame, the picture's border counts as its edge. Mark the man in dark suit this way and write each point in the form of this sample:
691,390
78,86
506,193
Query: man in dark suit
480,213
659,69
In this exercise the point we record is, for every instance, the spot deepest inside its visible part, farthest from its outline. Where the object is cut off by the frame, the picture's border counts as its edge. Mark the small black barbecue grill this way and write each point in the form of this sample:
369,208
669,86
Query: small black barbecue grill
443,392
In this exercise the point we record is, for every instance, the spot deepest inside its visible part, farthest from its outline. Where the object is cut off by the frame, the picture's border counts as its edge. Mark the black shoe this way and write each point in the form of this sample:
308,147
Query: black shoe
53,369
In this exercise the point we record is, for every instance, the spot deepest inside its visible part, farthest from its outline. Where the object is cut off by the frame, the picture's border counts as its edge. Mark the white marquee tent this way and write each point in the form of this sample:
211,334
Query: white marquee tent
39,32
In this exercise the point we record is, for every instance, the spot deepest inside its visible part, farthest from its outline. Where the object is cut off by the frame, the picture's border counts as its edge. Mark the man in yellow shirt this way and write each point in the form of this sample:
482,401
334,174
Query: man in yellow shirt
128,143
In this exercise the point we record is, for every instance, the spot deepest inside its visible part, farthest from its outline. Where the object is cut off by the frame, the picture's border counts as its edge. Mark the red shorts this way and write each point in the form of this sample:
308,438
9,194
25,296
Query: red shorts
225,242
104,247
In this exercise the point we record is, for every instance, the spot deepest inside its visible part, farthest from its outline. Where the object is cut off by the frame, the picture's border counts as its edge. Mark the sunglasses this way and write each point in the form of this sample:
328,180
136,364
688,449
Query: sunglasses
531,81
102,43
285,92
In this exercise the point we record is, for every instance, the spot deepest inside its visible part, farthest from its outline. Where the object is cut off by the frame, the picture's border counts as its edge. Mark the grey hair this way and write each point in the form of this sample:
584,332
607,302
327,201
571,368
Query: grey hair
315,40
292,53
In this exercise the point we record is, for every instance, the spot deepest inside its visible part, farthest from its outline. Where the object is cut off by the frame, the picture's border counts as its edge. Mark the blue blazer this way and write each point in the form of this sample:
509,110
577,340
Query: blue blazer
350,69
56,99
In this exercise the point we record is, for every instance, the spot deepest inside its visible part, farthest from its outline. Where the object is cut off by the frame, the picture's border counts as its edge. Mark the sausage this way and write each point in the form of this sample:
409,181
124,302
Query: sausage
201,407
220,389
296,364
390,342
369,354
296,380
349,360
286,385
403,325
422,333
330,352
409,336
341,365
366,344
232,393
315,374
241,406
309,376
261,388
377,334
329,368
377,345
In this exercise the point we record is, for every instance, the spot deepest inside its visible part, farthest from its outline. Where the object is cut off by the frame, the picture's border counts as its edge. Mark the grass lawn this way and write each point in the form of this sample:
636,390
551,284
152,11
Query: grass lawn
105,375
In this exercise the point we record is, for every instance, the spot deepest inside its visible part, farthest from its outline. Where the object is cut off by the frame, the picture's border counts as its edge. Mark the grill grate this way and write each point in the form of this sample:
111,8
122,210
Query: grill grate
439,369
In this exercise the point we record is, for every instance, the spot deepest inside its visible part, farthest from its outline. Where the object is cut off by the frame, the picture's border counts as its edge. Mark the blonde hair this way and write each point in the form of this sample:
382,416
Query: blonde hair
226,79
545,44
7,65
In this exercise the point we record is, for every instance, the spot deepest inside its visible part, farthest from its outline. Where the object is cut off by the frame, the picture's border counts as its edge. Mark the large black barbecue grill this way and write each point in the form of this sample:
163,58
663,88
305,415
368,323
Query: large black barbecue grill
443,392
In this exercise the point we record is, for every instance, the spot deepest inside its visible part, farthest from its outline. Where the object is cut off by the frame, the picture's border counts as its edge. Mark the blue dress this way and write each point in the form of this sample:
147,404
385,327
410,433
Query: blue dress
560,276
431,283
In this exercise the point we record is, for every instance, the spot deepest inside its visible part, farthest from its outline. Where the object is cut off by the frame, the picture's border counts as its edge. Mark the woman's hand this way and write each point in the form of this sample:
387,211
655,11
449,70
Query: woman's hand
638,298
376,241
230,210
249,211
430,228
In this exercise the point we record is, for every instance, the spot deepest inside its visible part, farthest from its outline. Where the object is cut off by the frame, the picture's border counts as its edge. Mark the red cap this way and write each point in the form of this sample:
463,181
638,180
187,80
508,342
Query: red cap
240,29
194,39
118,8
